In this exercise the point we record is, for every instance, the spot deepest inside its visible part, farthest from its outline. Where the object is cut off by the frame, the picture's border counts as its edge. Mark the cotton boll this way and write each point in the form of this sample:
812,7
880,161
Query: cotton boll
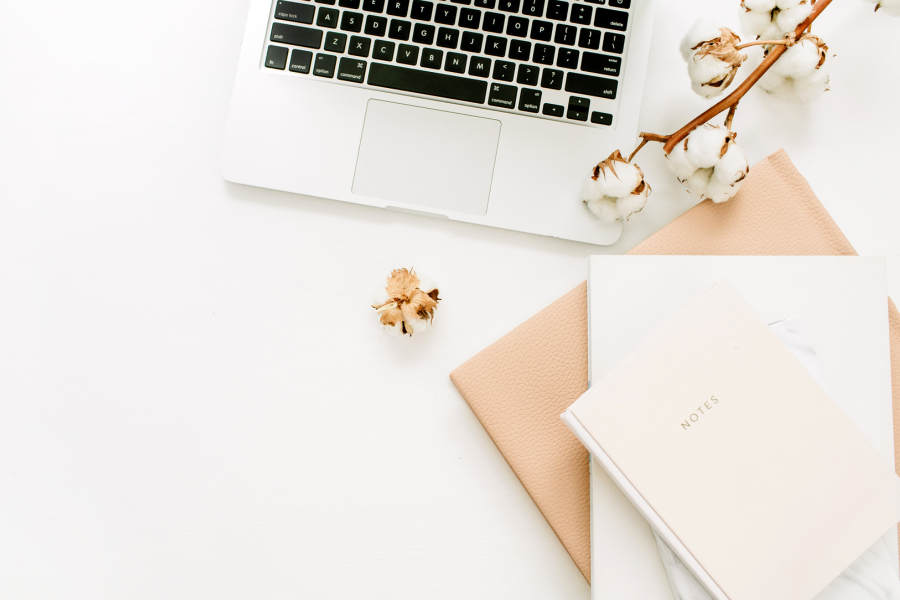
778,85
785,4
754,23
799,60
604,209
593,189
788,19
698,183
704,145
891,7
621,183
763,6
678,162
708,68
718,191
733,166
417,325
395,330
632,203
813,86
772,32
701,31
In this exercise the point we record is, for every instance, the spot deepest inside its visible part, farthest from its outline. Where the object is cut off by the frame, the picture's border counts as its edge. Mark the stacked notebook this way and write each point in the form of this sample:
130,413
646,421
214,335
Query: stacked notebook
534,373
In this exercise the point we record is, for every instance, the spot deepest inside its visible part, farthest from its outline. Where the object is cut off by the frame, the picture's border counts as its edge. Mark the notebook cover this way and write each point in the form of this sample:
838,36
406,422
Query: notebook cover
519,386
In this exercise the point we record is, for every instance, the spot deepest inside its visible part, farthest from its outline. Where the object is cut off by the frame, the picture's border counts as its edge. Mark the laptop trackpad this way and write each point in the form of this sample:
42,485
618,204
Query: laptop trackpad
430,158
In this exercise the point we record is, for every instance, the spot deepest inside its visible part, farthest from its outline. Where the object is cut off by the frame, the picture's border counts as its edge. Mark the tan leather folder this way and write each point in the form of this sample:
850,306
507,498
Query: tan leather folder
520,385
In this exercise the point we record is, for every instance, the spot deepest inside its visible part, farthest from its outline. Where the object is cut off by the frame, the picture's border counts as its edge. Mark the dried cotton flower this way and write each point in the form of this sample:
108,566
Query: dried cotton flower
713,61
801,73
773,19
616,189
710,163
406,303
891,7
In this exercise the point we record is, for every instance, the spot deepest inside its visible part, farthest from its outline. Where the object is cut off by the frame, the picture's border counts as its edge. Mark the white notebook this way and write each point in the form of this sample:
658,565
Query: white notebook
842,300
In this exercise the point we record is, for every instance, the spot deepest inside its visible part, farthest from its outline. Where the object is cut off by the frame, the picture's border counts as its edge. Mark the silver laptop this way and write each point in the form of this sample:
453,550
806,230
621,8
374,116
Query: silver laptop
483,111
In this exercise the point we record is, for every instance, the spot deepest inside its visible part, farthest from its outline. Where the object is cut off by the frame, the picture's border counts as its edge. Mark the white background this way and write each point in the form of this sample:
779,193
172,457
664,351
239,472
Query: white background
196,400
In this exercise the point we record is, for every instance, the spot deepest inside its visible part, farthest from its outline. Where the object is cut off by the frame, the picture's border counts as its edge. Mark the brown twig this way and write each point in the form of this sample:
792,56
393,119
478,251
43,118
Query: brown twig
735,96
648,137
764,43
730,116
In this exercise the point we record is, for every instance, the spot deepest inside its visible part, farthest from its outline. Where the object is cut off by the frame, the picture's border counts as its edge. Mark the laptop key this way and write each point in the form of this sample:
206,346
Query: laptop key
599,87
469,18
565,34
421,10
348,3
423,34
589,38
397,8
480,66
611,19
503,95
496,46
335,42
567,58
504,70
324,65
614,42
446,14
461,1
431,58
509,6
533,8
488,4
325,2
517,26
581,14
601,64
620,3
428,83
530,100
557,10
471,42
383,50
601,118
493,22
399,30
352,69
408,55
519,49
293,11
377,26
296,36
553,110
527,75
543,54
455,63
552,79
541,30
276,57
373,6
351,21
578,108
359,46
301,61
448,38
328,17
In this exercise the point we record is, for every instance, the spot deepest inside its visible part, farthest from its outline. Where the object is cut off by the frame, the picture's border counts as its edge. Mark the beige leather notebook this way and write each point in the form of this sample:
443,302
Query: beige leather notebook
518,386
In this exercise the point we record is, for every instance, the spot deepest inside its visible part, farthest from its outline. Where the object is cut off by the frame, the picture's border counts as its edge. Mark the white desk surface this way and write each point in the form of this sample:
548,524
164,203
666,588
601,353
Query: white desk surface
195,398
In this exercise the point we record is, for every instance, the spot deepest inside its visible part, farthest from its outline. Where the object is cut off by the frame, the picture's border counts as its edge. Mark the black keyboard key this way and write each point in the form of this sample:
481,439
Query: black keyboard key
517,26
578,108
428,83
601,118
557,10
480,66
620,3
611,19
519,49
293,11
533,8
301,61
421,10
455,62
509,6
328,17
372,6
376,26
543,54
614,42
408,55
348,4
352,69
423,34
599,87
431,58
446,14
552,79
335,42
397,8
502,95
324,65
496,46
530,100
581,13
589,38
567,58
541,30
351,21
565,34
383,50
448,38
466,2
399,30
504,71
296,36
527,75
493,22
601,64
471,42
276,57
469,18
553,110
325,2
488,4
359,46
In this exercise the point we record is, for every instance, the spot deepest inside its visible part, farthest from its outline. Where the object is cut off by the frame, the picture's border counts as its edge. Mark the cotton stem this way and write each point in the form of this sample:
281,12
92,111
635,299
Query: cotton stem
648,137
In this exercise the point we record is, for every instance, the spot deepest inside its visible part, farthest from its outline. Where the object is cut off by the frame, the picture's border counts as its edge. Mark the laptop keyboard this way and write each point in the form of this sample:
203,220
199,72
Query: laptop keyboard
551,59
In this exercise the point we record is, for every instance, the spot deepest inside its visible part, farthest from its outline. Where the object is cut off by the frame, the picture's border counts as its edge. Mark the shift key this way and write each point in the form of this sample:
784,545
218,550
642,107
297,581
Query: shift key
296,36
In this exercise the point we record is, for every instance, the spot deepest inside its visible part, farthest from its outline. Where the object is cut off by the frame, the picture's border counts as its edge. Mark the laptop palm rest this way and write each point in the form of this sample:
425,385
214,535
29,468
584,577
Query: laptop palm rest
428,158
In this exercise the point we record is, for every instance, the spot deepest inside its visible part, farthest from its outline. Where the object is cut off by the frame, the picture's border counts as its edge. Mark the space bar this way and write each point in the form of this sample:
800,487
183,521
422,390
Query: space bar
428,83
